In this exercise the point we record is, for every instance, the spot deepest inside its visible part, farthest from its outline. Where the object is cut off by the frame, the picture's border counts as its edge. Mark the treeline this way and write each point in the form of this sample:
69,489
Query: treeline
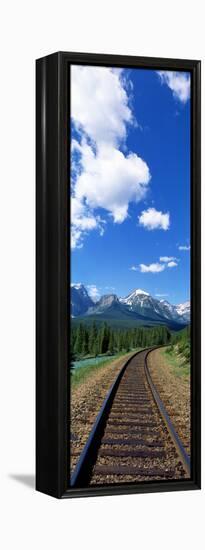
182,335
94,340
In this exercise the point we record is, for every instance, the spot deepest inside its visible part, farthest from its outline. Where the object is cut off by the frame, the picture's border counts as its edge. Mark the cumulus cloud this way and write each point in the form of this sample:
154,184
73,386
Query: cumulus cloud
96,292
154,219
99,103
184,247
178,82
172,264
157,267
152,268
83,221
110,180
93,292
167,259
133,268
103,176
76,238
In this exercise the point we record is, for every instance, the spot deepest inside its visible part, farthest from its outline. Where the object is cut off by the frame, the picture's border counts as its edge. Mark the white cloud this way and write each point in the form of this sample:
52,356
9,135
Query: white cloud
167,259
103,176
93,292
96,292
161,295
165,262
76,238
154,219
152,268
110,180
172,264
178,82
99,103
184,247
83,221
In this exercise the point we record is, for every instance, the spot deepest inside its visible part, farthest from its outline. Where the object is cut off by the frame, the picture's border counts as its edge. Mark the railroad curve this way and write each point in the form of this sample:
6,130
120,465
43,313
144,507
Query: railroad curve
133,439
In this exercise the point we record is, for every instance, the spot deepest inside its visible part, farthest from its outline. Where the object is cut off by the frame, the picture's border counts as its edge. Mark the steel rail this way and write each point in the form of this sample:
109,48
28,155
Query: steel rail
172,432
82,471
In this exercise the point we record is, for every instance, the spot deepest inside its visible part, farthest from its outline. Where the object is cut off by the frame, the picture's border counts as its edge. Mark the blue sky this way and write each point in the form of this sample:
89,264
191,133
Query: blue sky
131,181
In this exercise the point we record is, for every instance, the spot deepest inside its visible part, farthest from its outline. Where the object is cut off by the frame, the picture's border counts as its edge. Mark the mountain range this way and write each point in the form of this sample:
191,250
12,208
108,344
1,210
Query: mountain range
138,308
80,300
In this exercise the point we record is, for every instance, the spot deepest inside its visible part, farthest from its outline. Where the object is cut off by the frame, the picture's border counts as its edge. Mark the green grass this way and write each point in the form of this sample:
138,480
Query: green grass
179,363
79,375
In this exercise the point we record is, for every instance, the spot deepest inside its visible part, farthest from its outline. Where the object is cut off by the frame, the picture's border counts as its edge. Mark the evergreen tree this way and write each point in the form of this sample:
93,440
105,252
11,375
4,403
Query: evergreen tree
126,341
91,339
111,345
93,333
85,347
79,339
104,338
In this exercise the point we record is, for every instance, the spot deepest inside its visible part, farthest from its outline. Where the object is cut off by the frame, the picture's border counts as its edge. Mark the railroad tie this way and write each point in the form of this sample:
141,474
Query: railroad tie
131,441
132,453
131,471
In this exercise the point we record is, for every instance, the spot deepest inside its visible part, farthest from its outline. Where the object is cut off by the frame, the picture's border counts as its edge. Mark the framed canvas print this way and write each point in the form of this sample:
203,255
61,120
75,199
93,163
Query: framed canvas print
118,274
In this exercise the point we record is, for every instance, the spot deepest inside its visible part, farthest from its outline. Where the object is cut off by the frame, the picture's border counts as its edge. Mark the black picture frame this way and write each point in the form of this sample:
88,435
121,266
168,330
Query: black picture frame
53,268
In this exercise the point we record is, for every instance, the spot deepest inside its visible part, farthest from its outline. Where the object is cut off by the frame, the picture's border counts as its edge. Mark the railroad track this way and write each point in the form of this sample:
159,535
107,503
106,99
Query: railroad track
133,438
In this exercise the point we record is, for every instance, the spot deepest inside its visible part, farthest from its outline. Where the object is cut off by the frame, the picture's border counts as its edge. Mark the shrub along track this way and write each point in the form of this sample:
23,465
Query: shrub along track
132,439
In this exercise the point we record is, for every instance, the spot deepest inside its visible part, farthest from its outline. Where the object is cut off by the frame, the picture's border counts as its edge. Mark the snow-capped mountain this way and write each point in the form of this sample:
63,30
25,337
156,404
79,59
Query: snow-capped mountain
80,300
169,310
138,305
142,302
183,311
137,294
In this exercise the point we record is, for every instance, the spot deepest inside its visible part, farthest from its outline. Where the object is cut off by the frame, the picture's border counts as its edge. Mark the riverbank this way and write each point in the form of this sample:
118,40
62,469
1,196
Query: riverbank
90,367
